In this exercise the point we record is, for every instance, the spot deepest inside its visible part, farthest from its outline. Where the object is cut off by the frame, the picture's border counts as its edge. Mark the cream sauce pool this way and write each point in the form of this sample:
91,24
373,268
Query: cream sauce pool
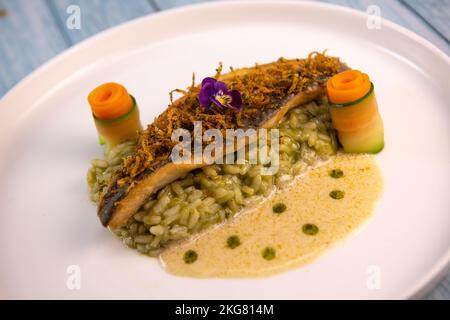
320,209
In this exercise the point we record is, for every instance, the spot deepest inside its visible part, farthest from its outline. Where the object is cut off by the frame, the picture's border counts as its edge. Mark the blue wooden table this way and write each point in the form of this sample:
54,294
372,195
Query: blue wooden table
33,31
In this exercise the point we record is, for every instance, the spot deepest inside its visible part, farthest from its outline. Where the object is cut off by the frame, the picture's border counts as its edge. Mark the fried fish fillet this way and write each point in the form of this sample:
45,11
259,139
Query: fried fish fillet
268,92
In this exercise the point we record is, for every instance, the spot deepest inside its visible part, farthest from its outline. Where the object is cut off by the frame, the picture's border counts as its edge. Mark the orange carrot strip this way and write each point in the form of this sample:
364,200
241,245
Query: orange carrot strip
109,101
348,86
355,117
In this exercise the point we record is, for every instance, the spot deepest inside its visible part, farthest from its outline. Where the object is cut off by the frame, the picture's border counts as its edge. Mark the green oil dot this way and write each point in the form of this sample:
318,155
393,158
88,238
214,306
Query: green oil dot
310,229
233,242
336,173
337,194
269,253
190,256
279,207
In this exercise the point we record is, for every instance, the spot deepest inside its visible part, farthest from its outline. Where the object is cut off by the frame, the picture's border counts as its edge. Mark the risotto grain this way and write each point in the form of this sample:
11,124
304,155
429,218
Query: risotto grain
215,193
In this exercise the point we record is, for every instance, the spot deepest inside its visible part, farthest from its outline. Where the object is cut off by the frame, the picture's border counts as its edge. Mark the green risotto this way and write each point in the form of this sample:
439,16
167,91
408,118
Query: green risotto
215,193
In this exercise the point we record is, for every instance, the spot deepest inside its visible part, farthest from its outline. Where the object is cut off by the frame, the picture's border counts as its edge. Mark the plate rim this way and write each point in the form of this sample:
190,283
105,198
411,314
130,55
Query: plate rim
423,284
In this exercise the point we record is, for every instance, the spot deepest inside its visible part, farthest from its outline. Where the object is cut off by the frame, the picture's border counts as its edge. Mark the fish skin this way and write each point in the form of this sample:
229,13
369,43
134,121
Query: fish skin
120,202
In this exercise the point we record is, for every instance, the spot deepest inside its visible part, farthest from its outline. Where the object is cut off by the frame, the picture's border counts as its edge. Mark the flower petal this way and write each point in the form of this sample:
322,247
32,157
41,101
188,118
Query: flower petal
204,99
208,80
221,86
205,95
236,99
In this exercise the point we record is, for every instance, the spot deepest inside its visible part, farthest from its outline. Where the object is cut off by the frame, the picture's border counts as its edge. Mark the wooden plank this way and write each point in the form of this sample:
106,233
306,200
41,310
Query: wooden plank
168,4
442,291
395,11
392,10
29,36
435,12
97,15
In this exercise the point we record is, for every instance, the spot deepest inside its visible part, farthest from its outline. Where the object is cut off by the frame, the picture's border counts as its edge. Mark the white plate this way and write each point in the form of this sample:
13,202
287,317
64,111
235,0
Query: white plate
47,138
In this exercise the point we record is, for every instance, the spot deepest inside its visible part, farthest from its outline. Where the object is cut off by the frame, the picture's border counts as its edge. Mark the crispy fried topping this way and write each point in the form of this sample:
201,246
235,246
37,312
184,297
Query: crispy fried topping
262,87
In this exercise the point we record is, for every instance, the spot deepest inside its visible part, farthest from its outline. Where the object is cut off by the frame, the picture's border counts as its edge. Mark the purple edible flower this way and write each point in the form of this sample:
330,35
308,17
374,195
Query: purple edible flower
216,92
